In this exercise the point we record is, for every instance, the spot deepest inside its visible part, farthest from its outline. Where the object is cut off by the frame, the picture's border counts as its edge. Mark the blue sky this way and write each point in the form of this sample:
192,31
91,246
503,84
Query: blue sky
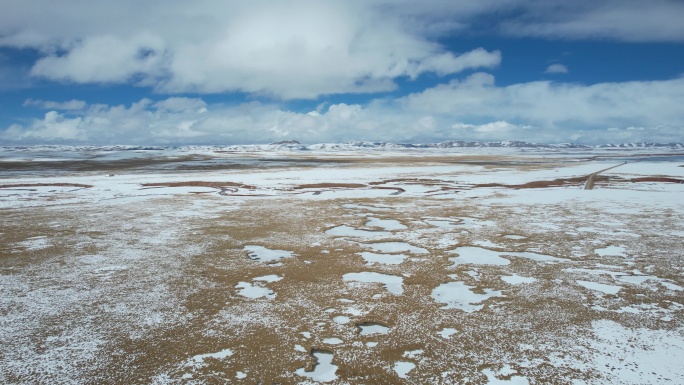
227,72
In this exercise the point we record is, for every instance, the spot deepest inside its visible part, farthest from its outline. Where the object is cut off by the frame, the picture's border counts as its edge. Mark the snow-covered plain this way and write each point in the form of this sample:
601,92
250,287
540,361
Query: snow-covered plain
455,266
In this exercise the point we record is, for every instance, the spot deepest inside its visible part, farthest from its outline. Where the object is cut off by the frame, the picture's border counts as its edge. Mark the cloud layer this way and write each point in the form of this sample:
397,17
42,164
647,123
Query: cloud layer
276,51
472,109
300,48
295,49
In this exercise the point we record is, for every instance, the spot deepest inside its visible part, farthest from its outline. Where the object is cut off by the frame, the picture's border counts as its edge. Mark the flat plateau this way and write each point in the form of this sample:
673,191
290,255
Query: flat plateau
480,267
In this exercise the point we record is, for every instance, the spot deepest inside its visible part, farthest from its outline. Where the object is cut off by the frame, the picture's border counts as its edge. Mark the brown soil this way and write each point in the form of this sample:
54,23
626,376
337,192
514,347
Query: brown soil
426,182
45,185
656,179
330,185
199,184
542,183
578,180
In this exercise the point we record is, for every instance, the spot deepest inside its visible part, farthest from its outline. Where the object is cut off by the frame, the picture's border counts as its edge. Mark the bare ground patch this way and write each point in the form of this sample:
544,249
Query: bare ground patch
21,185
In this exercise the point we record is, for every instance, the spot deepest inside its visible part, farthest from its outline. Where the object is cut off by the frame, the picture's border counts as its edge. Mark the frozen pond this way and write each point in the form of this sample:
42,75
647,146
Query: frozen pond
386,224
482,256
458,295
611,251
341,319
478,256
517,280
606,289
392,283
348,231
447,332
254,291
199,359
257,289
324,371
368,328
402,368
388,259
395,247
269,278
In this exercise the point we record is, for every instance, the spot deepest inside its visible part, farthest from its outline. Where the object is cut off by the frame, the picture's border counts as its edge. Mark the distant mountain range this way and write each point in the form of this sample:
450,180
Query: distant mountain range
293,145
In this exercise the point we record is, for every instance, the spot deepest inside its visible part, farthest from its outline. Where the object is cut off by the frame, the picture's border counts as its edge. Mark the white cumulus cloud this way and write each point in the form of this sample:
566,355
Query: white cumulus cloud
556,69
72,104
556,107
294,49
472,109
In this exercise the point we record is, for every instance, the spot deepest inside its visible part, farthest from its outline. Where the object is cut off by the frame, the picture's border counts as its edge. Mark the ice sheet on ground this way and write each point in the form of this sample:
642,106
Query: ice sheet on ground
481,256
254,291
517,280
348,231
388,259
447,332
199,359
402,368
394,247
671,286
372,328
392,283
324,371
386,224
611,251
332,341
607,289
477,256
486,244
240,375
458,295
264,254
269,278
341,319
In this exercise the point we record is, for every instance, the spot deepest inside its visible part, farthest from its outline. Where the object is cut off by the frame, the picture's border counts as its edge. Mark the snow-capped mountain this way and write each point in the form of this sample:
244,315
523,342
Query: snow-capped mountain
295,146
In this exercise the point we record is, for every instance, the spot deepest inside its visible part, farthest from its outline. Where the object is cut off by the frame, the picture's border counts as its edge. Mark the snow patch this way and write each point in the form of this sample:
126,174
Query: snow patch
394,247
388,259
348,231
447,332
458,295
611,251
402,368
386,224
517,280
392,283
324,370
607,289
